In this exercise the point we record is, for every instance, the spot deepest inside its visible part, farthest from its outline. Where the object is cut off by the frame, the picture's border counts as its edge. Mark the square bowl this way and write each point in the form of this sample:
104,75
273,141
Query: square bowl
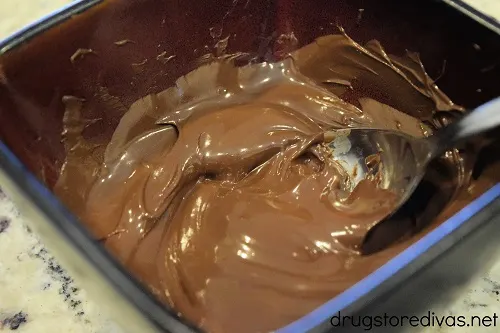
36,71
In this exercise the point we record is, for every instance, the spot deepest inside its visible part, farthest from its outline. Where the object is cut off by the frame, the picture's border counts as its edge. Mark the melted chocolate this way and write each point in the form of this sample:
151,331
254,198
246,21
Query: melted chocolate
220,194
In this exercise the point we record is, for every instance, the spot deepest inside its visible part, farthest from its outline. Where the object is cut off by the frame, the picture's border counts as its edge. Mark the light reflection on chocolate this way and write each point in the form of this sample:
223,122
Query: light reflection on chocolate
219,194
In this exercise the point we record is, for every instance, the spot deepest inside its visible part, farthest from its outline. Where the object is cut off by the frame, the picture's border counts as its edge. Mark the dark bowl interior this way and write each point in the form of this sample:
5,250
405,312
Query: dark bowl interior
35,74
40,72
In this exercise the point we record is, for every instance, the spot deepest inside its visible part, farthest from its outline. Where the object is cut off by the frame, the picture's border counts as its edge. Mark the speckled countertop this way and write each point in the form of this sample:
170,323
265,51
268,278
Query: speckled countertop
37,296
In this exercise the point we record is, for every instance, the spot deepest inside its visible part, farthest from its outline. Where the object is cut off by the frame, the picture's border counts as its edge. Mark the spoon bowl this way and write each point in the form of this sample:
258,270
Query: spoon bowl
400,160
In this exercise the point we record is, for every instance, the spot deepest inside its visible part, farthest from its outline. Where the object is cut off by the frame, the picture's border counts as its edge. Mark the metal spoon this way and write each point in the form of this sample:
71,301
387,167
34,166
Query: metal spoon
401,160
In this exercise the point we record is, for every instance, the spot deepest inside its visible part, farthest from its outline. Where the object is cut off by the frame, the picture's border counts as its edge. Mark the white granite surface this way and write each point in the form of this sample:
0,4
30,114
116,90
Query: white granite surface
34,285
490,7
36,295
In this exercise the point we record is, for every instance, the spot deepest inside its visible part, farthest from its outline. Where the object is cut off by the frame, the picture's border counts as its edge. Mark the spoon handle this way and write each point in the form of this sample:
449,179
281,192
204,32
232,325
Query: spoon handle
479,120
